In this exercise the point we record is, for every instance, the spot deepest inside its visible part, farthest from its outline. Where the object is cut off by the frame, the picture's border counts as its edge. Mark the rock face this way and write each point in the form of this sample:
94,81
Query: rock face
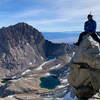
54,49
22,47
85,68
25,58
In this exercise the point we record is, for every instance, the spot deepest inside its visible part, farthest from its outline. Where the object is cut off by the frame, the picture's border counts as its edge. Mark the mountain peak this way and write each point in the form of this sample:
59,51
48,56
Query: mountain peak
22,45
22,24
19,26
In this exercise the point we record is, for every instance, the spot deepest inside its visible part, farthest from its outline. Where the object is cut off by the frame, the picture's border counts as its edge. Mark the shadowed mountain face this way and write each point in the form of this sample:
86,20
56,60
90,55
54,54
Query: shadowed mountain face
54,49
22,46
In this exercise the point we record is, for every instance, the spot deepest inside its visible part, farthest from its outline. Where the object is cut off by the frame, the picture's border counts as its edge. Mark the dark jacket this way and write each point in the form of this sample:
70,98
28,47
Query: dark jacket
90,26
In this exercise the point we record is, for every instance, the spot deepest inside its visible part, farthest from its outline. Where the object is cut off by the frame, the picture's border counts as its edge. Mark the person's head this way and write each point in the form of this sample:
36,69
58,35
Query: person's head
90,17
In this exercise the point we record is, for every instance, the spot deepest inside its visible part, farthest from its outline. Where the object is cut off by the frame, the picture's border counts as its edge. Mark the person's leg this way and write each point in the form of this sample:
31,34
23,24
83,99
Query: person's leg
80,38
95,37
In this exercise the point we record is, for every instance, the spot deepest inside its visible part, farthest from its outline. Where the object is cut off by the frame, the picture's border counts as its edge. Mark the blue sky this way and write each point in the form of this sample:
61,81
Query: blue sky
49,15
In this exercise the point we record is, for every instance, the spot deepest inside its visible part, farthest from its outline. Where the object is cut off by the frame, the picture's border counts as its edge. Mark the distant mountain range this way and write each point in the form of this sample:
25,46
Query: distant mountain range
65,37
59,37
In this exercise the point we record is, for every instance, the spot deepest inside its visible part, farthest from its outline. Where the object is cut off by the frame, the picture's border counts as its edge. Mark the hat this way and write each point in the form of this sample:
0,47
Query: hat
90,15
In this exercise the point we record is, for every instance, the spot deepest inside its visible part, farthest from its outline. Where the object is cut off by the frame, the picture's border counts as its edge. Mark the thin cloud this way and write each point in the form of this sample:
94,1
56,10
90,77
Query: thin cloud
54,14
28,13
48,21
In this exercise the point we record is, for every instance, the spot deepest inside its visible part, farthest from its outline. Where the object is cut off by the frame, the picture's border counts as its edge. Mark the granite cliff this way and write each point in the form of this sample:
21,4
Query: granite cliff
85,69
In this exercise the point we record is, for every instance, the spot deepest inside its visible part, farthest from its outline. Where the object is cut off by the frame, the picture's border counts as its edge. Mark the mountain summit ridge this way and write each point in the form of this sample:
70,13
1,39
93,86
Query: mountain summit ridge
22,47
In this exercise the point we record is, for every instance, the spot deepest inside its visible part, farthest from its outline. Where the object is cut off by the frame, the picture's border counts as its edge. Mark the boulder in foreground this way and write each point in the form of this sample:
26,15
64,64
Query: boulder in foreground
85,68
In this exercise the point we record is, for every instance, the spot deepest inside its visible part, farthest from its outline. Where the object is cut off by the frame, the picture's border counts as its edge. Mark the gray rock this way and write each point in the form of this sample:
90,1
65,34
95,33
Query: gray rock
85,68
22,47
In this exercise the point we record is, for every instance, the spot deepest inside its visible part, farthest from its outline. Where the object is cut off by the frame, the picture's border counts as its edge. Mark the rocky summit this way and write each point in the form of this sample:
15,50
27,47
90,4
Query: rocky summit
85,70
22,47
32,68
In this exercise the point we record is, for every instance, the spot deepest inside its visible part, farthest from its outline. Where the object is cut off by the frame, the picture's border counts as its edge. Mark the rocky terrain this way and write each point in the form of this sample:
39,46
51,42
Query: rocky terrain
85,70
22,47
30,65
25,58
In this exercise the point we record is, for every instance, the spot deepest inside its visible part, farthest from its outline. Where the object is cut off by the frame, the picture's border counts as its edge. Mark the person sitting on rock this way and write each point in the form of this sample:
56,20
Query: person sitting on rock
90,28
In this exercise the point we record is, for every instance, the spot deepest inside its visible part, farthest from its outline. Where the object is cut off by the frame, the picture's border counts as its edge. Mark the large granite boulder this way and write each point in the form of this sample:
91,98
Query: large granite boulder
85,68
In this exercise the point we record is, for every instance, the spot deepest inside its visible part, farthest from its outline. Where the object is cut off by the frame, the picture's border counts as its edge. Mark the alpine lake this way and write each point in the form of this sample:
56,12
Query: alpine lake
49,82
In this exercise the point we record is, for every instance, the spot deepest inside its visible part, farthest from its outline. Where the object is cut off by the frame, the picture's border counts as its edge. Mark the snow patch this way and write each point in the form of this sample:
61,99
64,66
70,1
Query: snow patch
42,58
73,53
28,70
68,97
67,71
33,75
64,80
57,66
40,67
30,63
51,60
61,86
10,96
70,58
49,74
34,60
27,43
13,77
